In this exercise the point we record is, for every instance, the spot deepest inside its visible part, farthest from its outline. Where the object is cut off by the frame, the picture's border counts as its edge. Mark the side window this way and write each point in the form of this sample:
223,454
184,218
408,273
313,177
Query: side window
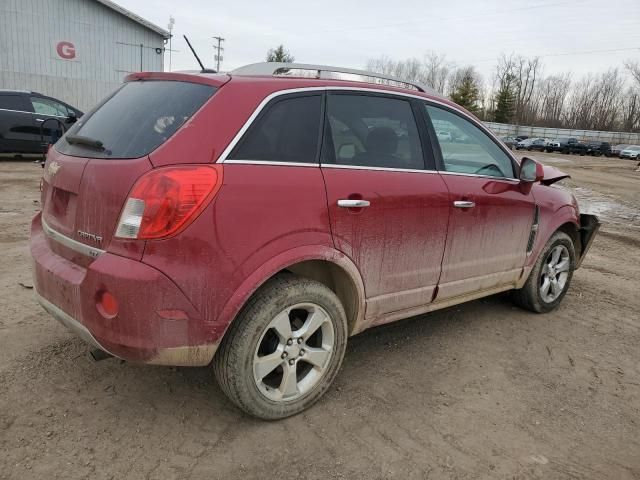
467,149
45,106
370,131
287,131
12,102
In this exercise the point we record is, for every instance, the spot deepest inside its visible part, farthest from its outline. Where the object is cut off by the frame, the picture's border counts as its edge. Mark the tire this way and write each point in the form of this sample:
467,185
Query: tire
531,296
260,331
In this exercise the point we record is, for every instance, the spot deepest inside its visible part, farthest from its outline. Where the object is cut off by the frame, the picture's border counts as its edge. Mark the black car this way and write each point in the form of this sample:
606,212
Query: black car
30,121
567,145
599,148
539,144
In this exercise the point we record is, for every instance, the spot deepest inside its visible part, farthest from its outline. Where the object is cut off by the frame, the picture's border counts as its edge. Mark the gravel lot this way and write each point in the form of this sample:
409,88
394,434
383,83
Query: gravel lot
483,390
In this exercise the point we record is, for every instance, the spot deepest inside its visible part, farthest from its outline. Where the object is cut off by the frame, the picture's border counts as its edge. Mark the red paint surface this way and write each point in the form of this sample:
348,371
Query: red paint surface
186,290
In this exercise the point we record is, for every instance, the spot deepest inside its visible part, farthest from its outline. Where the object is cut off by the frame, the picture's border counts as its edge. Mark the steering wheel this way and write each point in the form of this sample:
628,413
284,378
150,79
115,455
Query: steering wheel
491,166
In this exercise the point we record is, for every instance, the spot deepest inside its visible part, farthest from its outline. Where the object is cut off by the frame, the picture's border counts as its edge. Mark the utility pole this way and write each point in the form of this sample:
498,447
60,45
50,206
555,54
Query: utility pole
172,22
218,56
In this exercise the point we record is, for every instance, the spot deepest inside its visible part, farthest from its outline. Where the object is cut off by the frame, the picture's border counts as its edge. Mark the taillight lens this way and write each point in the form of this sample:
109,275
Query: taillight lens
166,200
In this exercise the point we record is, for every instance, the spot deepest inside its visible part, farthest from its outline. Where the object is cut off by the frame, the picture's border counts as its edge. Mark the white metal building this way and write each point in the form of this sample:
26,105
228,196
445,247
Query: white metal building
75,50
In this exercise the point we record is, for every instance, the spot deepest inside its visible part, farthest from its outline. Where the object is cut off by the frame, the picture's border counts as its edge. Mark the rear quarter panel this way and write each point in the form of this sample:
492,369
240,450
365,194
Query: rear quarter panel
261,212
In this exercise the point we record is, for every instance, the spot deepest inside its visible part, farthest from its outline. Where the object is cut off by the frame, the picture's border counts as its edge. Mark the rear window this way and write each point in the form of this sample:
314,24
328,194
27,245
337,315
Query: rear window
12,102
138,118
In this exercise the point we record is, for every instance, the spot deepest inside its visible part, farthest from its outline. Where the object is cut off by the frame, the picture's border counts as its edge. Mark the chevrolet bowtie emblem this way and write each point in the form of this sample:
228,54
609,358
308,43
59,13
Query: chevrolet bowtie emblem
53,168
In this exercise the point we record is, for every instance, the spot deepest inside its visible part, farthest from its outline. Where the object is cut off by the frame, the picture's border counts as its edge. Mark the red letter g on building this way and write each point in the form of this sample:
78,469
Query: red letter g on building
66,50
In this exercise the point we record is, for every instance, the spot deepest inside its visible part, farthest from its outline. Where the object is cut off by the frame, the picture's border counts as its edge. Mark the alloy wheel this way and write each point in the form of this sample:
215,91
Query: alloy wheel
294,352
555,273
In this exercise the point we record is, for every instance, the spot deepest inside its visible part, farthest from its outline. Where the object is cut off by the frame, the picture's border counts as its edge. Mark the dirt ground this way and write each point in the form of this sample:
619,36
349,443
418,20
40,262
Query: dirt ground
483,390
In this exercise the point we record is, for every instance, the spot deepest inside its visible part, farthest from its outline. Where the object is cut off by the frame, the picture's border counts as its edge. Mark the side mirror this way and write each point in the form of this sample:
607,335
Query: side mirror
530,170
72,117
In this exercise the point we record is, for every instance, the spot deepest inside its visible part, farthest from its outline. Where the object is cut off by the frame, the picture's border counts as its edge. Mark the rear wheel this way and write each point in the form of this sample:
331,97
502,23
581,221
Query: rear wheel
284,349
550,277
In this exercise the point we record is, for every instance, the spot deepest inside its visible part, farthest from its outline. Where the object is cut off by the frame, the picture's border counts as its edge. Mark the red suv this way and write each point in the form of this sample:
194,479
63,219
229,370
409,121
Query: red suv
256,220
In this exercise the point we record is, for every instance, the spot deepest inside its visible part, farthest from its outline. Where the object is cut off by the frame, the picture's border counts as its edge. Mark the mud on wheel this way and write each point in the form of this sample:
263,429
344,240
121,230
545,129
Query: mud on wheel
284,349
550,277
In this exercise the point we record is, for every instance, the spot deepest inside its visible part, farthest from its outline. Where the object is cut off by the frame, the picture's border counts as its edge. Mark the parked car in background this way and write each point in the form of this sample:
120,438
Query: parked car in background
532,143
632,152
260,246
519,138
444,136
509,141
538,144
616,150
567,145
30,121
599,148
524,144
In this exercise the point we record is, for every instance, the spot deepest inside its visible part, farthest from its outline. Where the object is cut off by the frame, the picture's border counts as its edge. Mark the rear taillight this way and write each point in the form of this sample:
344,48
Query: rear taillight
166,200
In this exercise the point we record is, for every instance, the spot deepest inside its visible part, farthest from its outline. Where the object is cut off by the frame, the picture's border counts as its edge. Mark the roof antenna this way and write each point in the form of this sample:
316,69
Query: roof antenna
204,70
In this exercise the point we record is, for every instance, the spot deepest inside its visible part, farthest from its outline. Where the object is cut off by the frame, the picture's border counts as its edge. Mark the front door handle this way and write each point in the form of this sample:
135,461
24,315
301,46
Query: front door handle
353,203
464,204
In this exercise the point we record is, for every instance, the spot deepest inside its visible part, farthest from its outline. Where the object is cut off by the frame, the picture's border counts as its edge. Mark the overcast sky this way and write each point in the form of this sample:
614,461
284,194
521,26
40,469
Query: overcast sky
576,36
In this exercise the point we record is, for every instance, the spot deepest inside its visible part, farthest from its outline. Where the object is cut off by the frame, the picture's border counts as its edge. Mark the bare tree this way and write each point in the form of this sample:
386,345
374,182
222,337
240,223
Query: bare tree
519,93
437,71
432,71
524,73
633,67
630,111
596,102
550,99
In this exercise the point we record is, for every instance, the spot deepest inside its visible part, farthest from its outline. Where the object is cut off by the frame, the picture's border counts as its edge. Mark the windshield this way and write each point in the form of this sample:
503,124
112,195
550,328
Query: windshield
138,118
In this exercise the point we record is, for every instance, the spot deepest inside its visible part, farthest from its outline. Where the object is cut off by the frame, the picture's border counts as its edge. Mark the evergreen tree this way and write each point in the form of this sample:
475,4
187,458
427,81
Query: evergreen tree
466,91
279,54
505,100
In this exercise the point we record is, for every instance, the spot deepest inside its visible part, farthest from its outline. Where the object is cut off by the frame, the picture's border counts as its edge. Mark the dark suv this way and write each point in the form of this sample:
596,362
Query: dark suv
30,121
599,148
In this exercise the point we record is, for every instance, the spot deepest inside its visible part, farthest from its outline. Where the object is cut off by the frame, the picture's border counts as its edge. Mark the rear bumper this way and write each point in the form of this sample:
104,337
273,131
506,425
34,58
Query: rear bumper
155,322
589,226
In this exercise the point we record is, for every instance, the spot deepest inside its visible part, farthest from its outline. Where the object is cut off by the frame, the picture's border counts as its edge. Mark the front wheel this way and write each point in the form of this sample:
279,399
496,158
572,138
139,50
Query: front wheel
550,277
284,349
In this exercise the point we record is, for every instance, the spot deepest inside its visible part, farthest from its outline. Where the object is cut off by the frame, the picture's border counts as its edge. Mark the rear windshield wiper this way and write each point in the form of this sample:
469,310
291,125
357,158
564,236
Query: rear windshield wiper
85,141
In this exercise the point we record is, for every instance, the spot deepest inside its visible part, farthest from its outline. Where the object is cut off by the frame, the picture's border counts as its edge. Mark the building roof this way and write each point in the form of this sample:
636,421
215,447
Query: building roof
136,18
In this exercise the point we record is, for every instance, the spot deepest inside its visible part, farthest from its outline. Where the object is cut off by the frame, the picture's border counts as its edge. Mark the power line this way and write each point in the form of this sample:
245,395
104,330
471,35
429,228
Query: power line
219,49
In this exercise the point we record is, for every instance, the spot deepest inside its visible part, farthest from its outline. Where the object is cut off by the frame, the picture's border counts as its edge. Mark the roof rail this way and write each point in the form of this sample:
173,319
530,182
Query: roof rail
326,72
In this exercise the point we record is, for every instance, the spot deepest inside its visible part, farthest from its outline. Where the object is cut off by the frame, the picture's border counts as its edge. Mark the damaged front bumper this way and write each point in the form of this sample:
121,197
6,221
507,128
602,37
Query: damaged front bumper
589,226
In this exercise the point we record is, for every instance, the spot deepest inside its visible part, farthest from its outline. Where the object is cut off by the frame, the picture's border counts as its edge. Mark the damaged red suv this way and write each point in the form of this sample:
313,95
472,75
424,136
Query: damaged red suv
256,220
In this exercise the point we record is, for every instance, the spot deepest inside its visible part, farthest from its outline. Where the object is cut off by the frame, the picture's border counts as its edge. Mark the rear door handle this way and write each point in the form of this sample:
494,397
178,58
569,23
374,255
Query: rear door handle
353,203
464,204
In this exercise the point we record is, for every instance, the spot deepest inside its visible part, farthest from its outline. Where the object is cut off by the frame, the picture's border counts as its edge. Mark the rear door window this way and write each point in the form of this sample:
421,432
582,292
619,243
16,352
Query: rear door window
287,131
13,102
137,118
371,131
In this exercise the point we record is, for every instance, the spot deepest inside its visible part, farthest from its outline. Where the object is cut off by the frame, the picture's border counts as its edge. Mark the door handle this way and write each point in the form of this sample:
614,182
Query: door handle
39,119
353,203
464,204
